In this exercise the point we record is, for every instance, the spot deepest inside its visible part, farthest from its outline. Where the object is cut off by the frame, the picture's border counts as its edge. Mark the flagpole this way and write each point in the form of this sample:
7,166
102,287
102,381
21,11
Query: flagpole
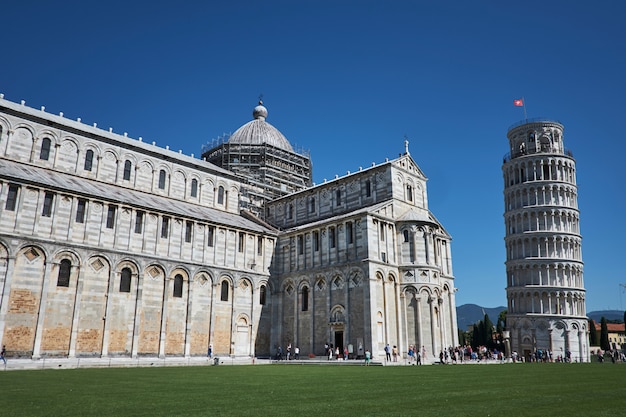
524,104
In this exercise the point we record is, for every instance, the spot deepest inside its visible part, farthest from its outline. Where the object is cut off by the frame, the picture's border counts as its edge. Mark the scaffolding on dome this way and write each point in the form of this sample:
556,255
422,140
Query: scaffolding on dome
269,172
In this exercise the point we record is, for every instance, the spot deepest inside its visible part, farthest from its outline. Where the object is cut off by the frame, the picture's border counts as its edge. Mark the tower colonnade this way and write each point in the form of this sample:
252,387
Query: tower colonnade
545,287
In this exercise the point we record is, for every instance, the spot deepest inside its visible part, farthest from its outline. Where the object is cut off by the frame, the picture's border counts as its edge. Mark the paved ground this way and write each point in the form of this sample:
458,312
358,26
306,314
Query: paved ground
72,363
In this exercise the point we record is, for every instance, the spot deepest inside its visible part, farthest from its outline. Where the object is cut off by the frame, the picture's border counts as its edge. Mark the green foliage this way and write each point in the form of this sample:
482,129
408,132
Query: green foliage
593,334
317,390
604,335
482,335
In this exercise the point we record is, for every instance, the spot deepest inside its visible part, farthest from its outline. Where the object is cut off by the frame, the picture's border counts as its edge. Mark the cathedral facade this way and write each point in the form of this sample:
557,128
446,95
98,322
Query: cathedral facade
110,246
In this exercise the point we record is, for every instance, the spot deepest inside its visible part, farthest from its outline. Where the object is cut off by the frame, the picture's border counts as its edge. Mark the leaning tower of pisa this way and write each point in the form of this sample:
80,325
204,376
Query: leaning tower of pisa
544,267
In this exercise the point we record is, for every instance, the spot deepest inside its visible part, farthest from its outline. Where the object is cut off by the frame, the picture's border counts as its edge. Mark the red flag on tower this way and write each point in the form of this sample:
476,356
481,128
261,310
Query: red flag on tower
518,103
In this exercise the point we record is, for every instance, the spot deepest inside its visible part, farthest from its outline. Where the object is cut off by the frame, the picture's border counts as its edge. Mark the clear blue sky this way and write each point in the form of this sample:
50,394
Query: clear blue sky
348,80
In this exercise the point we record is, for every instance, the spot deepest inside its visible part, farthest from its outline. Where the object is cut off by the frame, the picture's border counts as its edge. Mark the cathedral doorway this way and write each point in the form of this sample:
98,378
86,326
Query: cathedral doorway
339,341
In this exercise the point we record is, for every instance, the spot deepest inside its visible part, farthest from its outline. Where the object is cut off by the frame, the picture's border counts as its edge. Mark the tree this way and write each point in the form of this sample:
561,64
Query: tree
593,334
501,325
488,332
604,335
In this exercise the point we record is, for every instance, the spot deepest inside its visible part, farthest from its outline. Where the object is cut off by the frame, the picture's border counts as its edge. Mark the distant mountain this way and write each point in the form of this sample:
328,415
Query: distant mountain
607,314
469,314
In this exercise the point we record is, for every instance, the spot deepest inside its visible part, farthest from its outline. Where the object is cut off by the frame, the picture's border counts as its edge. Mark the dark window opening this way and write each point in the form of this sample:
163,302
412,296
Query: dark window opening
139,222
81,208
47,204
316,241
111,217
127,167
263,295
178,286
125,280
242,240
89,160
224,294
305,299
259,245
331,237
194,188
406,235
188,231
211,235
162,179
409,193
312,205
368,188
350,233
220,195
338,194
65,268
165,227
300,245
12,198
45,149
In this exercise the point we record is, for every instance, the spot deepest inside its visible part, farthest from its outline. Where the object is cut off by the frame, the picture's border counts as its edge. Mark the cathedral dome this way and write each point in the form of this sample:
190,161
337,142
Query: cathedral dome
258,132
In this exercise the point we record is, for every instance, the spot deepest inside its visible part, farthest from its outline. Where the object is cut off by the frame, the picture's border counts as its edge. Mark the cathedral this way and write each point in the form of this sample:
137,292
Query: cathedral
114,247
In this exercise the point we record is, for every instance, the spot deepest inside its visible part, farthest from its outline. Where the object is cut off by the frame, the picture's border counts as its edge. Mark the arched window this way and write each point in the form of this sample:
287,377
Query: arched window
312,205
224,295
11,203
368,188
338,195
290,211
194,188
65,267
220,195
162,179
88,160
125,280
45,149
305,299
178,286
406,235
409,193
48,199
349,233
127,167
263,295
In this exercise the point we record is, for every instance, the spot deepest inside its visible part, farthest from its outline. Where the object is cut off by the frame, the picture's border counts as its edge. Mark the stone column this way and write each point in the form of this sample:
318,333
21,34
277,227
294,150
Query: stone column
76,314
5,294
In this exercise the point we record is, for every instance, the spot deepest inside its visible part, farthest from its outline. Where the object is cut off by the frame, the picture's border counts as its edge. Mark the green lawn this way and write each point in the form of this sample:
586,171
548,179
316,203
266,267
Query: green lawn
310,390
